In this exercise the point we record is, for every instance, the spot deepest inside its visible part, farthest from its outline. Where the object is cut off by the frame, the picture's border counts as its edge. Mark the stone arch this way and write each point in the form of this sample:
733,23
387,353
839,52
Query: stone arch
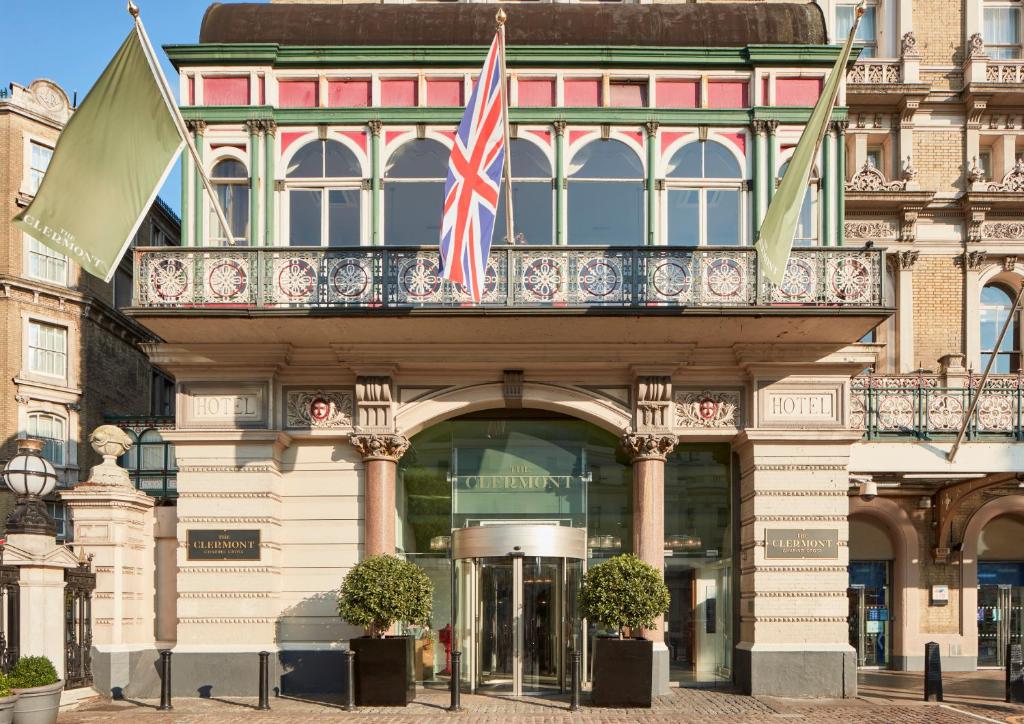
906,572
452,402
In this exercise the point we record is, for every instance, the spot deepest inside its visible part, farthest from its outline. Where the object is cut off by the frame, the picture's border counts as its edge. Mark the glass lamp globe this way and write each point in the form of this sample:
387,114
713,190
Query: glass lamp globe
28,472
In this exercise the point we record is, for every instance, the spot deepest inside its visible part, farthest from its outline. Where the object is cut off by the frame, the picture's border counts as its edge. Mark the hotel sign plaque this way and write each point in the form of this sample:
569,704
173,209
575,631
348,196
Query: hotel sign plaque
802,543
223,545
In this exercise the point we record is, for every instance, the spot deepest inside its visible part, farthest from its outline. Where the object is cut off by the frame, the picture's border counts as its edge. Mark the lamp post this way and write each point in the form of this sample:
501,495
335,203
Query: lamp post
30,476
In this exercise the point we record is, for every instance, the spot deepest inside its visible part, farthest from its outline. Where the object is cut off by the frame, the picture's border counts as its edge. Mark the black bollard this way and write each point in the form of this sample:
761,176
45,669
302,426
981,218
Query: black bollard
165,680
1014,674
577,659
264,704
932,672
350,674
456,703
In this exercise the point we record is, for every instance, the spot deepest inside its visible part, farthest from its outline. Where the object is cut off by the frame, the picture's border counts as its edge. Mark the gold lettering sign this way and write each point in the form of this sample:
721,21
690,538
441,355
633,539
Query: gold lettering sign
540,483
817,543
223,545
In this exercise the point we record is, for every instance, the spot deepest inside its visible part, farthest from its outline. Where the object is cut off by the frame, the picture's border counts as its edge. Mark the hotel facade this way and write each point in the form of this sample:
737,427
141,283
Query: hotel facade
629,382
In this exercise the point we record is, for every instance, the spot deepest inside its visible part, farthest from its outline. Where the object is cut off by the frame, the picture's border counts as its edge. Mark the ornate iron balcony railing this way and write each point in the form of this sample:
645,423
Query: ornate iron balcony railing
517,277
924,406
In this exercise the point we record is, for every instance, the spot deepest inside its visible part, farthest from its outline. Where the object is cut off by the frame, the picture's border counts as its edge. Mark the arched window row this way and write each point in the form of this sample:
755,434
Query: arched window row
53,430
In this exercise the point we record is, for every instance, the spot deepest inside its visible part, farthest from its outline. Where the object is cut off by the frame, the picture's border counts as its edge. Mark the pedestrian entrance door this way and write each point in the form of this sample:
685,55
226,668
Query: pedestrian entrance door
1000,622
517,605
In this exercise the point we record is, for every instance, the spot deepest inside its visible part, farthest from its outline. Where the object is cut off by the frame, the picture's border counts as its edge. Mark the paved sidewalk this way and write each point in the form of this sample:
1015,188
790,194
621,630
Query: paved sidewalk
694,706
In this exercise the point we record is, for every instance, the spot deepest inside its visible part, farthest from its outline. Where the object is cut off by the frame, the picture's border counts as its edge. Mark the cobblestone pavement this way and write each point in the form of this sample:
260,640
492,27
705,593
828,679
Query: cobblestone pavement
682,705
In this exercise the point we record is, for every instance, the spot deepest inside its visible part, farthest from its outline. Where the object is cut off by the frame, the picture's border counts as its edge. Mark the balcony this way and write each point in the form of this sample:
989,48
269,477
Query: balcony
180,280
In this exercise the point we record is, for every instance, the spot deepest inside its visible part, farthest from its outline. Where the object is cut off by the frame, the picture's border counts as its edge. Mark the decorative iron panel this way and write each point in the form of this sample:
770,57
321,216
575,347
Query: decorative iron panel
79,584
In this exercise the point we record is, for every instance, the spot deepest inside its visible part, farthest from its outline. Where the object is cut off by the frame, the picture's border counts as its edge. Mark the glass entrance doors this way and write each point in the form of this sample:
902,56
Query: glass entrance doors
870,612
1000,622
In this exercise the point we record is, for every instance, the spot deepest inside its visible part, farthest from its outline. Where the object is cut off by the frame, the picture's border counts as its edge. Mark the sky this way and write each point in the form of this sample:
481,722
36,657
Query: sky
71,42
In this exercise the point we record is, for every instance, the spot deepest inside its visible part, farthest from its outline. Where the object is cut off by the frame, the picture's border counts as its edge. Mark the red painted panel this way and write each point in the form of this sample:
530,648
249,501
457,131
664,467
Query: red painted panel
582,92
738,139
358,136
191,90
289,137
349,93
797,91
542,135
627,95
444,92
670,137
226,90
536,92
392,136
677,94
635,136
297,93
577,135
727,94
450,135
401,92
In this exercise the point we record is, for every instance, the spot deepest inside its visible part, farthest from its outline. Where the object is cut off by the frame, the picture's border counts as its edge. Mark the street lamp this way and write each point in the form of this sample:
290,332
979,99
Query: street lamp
30,476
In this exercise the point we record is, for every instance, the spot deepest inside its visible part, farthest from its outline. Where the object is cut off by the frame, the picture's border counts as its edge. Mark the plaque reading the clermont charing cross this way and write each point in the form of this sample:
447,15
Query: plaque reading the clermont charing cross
223,545
822,543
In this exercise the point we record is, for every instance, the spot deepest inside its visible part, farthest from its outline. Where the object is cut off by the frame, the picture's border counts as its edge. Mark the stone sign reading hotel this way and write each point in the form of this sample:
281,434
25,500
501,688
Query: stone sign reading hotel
222,405
799,403
819,543
223,545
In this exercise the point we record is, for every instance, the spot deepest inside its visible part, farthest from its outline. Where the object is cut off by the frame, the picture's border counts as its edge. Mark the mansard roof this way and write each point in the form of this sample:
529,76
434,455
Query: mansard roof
437,24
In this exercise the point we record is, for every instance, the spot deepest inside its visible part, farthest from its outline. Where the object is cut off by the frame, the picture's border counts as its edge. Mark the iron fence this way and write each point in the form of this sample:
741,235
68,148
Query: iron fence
79,584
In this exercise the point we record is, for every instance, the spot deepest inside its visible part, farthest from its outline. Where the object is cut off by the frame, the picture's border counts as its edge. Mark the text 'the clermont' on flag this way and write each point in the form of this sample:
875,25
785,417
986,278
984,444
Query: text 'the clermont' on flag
474,179
108,166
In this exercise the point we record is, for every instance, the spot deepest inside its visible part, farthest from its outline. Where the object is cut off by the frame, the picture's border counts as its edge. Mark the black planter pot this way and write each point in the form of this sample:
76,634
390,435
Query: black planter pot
384,674
622,672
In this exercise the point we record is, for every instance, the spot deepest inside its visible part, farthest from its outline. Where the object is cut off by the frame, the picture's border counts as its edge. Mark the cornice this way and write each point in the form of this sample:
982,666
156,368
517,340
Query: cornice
270,356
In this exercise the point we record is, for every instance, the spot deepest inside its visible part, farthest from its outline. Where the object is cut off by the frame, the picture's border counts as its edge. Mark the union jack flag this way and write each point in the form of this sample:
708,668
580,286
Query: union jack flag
474,179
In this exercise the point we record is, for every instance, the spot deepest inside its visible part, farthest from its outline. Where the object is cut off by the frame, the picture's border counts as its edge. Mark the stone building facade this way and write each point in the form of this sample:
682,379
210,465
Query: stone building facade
628,372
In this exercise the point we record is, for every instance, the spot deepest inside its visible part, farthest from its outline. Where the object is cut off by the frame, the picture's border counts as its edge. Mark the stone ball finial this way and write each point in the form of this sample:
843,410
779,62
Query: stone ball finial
110,441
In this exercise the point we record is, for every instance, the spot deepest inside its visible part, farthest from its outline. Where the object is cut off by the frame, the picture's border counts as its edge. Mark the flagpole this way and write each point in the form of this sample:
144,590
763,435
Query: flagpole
951,455
179,121
509,228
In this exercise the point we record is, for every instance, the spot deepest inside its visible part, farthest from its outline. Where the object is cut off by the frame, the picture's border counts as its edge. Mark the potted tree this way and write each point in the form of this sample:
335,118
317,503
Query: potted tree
376,594
35,681
624,592
7,700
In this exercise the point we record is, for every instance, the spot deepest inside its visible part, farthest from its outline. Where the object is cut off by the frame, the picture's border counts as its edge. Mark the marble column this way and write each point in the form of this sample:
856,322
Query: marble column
648,452
381,453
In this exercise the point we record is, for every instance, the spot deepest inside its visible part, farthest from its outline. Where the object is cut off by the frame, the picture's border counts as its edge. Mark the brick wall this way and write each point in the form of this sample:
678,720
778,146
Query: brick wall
939,157
939,30
938,309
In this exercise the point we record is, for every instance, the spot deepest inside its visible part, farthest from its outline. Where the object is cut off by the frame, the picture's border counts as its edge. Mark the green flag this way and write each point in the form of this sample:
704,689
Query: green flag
775,240
108,165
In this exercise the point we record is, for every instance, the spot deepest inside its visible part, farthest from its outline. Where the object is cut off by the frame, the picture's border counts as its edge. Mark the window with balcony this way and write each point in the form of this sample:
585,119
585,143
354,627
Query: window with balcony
324,183
47,349
532,196
807,227
606,195
704,189
52,430
231,183
996,305
867,32
38,162
1001,30
414,192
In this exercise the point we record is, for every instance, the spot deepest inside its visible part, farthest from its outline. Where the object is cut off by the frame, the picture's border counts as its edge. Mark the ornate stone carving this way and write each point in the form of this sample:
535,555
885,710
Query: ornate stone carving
30,516
22,399
905,259
559,127
838,127
764,127
319,409
111,442
975,173
648,447
375,126
652,128
1012,181
270,127
374,410
908,46
908,225
869,178
972,260
870,230
512,388
1009,263
703,409
975,46
908,173
380,447
653,402
196,127
254,127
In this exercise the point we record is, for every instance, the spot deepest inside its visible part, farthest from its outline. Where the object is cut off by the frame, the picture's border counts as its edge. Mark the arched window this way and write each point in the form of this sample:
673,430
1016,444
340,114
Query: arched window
323,181
50,428
606,195
705,196
414,192
807,229
231,182
996,304
532,197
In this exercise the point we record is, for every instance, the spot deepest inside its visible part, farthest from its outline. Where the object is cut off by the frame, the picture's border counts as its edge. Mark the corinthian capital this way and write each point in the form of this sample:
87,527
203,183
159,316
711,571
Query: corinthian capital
648,447
380,446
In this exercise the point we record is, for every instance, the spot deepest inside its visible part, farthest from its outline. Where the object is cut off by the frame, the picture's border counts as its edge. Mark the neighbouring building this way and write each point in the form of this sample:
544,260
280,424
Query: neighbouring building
628,377
69,355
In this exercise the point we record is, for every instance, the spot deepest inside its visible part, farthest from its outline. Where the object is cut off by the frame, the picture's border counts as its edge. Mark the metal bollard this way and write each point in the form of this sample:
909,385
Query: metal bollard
932,672
577,663
165,680
1014,674
350,674
264,704
456,703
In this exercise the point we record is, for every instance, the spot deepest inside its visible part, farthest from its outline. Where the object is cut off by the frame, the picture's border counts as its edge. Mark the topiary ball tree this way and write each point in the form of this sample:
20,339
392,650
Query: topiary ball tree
624,591
383,590
32,671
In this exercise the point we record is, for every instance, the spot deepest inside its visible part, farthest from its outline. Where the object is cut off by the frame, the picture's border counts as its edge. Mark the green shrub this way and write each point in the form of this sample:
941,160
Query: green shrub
31,671
382,590
624,591
5,686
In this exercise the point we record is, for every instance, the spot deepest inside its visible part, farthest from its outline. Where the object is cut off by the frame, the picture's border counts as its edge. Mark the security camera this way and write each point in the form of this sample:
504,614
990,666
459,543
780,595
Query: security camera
868,490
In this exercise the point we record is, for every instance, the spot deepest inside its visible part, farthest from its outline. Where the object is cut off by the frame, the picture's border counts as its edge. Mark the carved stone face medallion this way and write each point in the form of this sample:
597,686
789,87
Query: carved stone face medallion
319,409
707,409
